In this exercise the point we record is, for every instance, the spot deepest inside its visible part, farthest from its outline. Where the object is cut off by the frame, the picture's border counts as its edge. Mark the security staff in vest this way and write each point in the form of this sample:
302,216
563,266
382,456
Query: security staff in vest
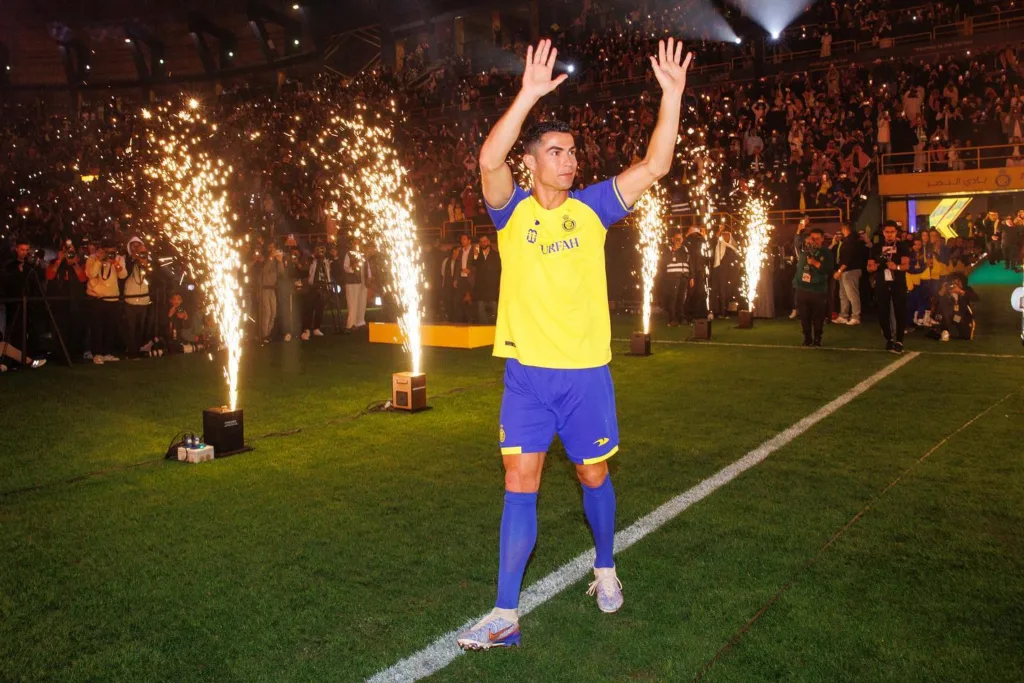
675,280
888,264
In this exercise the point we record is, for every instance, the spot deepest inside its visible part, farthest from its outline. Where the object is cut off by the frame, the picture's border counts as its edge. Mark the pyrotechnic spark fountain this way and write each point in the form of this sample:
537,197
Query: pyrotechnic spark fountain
755,245
649,219
702,184
191,210
369,184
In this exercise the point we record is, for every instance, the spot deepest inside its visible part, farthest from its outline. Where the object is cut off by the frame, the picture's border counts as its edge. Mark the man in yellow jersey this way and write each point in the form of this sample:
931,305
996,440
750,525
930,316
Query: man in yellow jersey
553,324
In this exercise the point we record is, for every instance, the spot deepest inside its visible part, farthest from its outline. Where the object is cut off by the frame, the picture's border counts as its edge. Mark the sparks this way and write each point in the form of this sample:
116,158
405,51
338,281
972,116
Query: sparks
367,183
649,219
755,244
190,204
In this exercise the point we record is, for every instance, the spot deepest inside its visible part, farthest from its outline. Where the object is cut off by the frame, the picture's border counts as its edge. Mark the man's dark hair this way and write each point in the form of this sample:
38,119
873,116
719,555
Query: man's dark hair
22,240
537,131
817,231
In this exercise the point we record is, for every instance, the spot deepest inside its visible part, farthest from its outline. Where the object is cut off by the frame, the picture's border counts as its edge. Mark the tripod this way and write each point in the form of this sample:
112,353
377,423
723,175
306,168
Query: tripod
21,311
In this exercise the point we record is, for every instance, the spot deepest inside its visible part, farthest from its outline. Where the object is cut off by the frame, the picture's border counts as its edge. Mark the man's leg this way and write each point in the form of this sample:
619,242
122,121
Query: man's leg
518,524
361,304
851,286
819,310
599,508
352,304
899,305
803,309
671,286
883,298
845,305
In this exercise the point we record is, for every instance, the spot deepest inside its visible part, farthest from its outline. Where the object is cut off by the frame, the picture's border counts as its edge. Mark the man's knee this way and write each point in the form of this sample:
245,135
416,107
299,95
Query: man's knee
592,476
522,472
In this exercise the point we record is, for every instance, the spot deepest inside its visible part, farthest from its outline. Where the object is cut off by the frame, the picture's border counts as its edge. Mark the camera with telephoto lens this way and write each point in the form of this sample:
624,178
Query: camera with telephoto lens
35,258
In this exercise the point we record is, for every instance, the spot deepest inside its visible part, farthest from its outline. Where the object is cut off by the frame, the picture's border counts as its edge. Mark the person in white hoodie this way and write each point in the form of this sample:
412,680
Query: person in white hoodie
136,296
105,269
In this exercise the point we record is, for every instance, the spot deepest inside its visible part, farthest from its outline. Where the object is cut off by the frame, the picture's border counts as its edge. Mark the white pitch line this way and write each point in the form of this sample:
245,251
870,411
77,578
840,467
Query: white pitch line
444,650
699,342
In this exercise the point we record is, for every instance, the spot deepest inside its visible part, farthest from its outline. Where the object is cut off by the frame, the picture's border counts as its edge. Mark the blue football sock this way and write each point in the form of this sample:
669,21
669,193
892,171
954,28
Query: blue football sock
518,536
599,506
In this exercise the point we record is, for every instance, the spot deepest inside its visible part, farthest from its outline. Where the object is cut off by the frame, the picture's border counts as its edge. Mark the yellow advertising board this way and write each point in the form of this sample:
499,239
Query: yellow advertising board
980,181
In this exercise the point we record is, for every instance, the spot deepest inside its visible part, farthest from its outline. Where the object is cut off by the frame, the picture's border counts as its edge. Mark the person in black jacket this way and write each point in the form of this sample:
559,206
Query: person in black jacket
696,305
955,299
676,280
850,259
487,266
889,263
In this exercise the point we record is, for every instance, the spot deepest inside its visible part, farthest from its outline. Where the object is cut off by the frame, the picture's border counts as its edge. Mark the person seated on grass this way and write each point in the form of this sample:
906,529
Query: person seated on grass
955,310
7,351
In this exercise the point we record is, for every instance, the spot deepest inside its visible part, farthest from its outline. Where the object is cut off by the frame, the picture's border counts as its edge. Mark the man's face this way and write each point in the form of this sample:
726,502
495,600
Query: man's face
176,301
464,241
485,243
889,233
552,161
21,250
677,241
846,231
934,236
815,240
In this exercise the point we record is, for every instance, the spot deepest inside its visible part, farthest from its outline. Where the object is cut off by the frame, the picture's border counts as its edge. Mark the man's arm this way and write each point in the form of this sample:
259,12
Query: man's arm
495,175
670,69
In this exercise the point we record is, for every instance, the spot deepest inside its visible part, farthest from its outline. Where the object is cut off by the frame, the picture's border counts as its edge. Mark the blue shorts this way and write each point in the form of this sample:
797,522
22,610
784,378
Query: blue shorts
578,405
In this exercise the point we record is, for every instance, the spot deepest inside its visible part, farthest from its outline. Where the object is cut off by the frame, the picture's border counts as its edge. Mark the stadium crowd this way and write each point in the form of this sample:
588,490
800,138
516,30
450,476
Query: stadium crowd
812,139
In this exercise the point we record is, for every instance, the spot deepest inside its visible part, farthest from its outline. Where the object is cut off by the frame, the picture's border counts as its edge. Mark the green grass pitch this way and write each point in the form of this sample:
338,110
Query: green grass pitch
345,541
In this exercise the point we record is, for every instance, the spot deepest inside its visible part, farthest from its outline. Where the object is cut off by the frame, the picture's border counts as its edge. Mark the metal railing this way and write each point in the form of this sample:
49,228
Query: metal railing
967,159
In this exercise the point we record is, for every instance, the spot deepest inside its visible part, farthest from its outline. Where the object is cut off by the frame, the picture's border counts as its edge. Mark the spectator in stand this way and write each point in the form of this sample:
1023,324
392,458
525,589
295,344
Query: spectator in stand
104,269
487,276
850,262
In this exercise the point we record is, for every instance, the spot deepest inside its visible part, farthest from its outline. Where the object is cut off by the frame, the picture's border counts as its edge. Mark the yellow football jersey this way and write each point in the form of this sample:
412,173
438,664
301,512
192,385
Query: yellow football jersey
553,302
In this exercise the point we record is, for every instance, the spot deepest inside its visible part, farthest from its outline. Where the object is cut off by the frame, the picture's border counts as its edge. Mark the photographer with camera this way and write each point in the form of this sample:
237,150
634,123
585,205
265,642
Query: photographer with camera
136,296
955,299
66,285
320,282
104,270
18,276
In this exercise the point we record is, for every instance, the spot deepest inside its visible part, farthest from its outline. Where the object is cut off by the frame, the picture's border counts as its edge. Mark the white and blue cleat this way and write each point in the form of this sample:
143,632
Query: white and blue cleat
492,631
608,588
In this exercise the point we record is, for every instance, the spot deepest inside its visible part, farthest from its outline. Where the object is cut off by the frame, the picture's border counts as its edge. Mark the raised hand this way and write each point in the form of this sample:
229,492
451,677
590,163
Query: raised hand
669,66
537,80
